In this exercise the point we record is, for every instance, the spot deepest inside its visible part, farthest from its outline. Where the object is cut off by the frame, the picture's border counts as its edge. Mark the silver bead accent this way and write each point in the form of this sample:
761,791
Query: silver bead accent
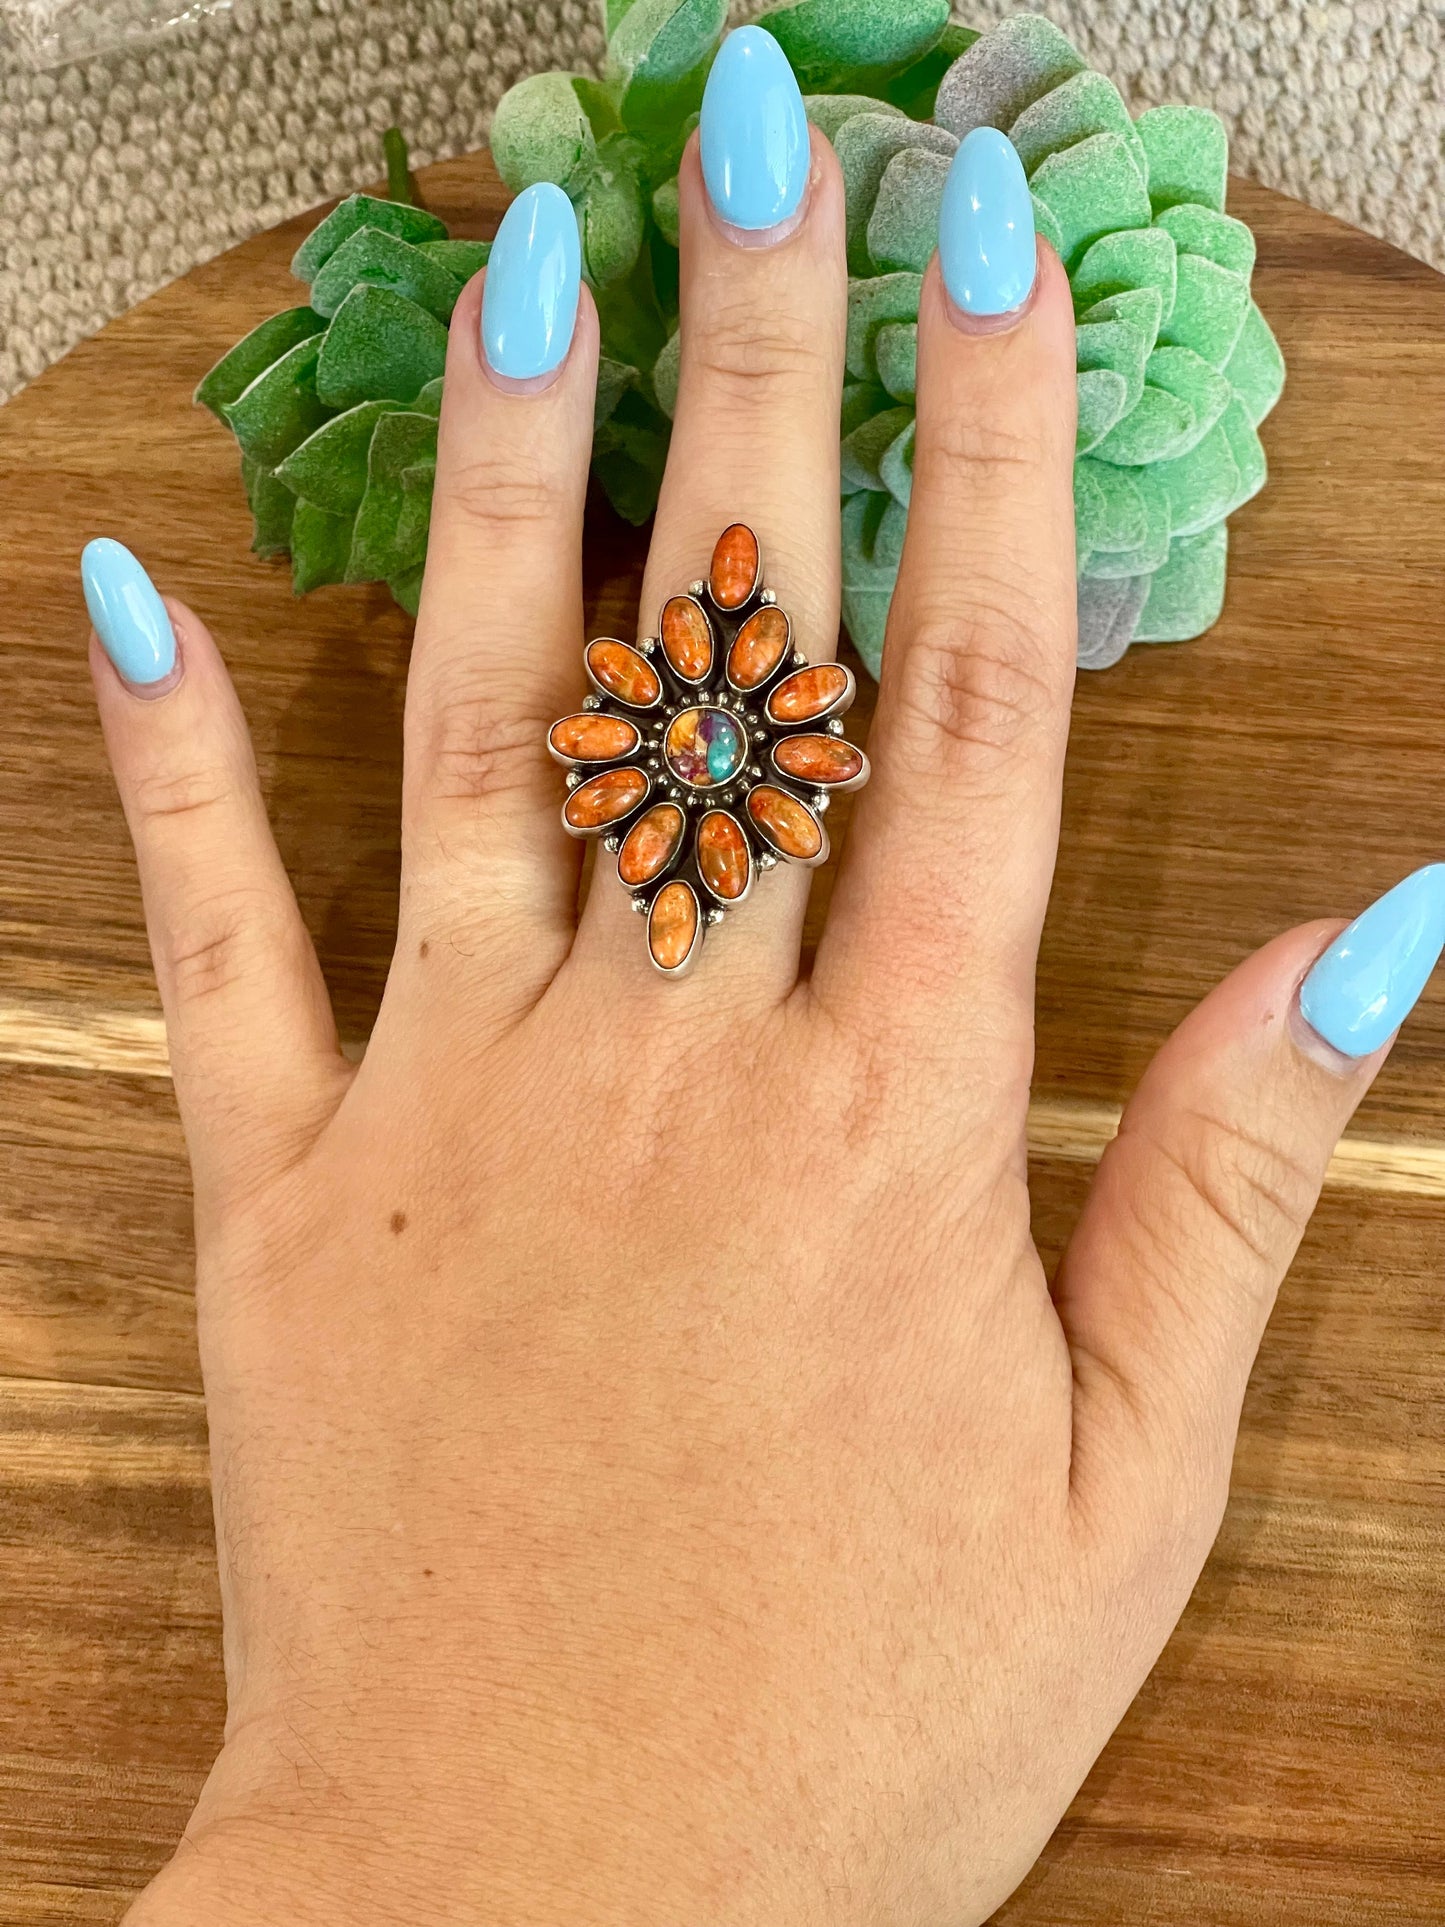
769,596
767,861
574,777
696,588
800,661
715,915
760,735
647,645
639,904
728,796
835,728
673,791
591,702
751,717
821,800
612,843
755,771
652,763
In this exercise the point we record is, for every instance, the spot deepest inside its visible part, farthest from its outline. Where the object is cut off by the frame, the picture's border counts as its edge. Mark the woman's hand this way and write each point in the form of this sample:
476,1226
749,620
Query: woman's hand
654,1480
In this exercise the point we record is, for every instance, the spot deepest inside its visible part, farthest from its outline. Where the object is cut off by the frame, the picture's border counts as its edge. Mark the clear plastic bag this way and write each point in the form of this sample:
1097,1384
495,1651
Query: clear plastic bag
48,33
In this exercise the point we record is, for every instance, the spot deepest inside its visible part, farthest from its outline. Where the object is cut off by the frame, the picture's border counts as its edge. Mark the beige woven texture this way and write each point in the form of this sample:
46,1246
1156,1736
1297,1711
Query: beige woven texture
119,173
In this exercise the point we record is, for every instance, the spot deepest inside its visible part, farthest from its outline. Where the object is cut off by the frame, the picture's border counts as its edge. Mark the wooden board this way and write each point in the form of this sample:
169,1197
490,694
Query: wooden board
1285,1765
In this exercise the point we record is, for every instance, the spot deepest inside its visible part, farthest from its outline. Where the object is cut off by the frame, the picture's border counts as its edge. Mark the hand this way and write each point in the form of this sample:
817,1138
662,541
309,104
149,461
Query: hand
655,1481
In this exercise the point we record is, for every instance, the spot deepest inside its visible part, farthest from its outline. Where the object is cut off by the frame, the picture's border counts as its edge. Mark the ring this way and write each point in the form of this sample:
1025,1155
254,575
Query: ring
707,753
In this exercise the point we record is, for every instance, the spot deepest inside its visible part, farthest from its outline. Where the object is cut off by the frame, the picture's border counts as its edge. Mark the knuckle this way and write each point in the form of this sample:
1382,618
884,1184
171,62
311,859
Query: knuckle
994,451
1258,1194
481,752
211,951
505,490
969,684
745,356
167,794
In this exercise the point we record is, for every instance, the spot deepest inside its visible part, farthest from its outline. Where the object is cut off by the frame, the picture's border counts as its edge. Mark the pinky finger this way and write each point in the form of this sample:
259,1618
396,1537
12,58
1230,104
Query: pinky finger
252,1040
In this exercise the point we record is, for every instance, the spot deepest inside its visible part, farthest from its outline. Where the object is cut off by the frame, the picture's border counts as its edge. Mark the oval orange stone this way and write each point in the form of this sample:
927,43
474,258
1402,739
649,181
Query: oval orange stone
650,845
818,759
758,647
723,858
790,826
807,693
672,925
735,566
687,637
623,672
602,799
591,738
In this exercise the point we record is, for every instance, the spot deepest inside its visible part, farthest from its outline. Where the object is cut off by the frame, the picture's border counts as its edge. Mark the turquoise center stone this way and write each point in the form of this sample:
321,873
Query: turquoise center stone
704,747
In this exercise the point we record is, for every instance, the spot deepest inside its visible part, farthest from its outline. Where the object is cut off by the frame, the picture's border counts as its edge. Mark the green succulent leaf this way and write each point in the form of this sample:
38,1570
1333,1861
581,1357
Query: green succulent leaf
541,132
1087,103
1210,307
915,89
867,578
460,258
407,590
329,468
379,347
235,371
611,213
895,351
1204,230
1130,258
1003,72
1255,369
903,227
614,378
838,45
628,454
387,540
1186,595
320,546
871,305
1091,190
359,211
829,112
665,210
281,407
373,258
1188,151
429,401
666,371
658,58
1158,427
1103,396
272,508
864,449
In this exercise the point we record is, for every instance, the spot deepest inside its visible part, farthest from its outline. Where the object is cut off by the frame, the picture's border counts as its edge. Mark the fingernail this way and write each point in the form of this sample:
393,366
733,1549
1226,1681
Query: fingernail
986,245
1367,982
754,133
129,616
534,276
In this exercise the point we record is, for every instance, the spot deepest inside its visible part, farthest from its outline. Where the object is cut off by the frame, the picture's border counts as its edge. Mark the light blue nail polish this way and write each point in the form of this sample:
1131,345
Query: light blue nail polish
534,276
129,616
1367,982
754,134
986,226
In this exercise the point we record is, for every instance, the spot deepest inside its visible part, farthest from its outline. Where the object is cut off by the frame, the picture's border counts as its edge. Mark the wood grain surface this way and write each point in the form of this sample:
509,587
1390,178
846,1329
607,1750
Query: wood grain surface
1285,1766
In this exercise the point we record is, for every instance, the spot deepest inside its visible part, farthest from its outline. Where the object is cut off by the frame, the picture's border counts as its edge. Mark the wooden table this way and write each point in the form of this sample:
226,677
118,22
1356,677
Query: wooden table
1285,1766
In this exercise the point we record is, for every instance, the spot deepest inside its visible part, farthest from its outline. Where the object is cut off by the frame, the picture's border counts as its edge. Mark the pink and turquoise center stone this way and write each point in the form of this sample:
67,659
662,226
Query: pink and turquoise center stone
704,747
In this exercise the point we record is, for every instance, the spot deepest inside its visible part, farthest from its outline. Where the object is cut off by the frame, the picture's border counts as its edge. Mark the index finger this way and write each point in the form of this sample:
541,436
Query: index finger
942,893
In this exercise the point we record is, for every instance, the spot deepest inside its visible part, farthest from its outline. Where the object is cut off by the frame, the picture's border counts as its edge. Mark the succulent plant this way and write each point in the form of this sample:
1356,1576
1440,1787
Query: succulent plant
335,404
1176,364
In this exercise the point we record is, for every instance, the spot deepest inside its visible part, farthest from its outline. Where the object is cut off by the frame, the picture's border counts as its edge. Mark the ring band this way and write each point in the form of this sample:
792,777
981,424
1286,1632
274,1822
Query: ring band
706,753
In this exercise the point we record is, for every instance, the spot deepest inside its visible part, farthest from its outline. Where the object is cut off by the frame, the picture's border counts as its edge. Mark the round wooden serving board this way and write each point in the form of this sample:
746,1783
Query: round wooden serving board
1285,1766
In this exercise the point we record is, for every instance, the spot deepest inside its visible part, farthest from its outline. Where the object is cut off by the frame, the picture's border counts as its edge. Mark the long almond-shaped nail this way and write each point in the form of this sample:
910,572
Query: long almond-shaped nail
534,278
129,616
1368,981
754,133
986,245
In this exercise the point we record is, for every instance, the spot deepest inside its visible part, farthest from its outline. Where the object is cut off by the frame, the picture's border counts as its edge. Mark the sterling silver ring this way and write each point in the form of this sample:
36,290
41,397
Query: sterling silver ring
707,753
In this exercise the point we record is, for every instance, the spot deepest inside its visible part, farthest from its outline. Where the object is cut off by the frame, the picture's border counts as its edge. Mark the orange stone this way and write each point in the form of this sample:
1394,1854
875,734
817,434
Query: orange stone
736,564
758,647
603,799
593,738
687,637
818,759
807,693
723,859
672,925
790,826
623,672
650,845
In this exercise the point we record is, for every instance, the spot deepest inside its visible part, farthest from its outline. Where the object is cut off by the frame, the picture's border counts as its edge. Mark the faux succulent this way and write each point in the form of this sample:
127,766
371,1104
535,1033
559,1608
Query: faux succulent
335,404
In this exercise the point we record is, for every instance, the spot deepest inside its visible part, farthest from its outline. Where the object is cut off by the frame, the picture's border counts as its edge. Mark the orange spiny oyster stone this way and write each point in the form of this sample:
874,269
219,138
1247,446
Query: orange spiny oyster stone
818,759
807,693
758,647
672,925
602,799
736,563
623,672
593,738
687,637
650,845
788,824
723,859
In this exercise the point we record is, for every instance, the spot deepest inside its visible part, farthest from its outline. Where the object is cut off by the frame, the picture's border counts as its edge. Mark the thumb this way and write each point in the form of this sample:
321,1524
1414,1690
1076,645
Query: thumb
1202,1198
